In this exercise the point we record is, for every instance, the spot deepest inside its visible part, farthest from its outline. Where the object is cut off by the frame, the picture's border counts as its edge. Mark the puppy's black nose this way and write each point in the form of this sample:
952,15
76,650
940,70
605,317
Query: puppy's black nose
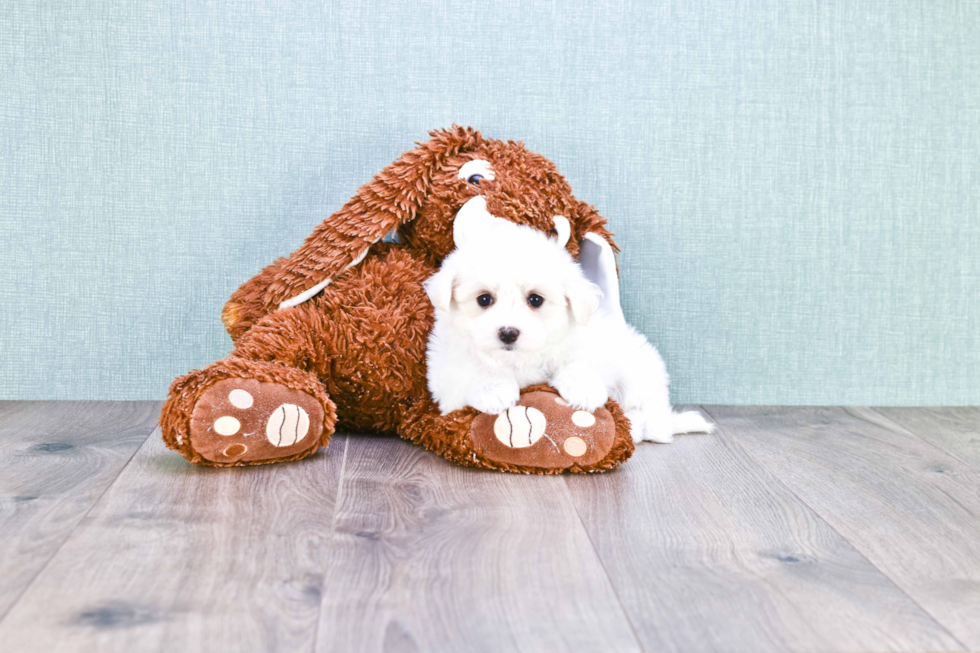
508,335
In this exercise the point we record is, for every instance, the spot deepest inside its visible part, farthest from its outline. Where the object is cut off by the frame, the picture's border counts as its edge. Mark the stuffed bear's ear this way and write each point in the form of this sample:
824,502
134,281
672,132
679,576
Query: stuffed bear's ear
391,199
599,265
597,256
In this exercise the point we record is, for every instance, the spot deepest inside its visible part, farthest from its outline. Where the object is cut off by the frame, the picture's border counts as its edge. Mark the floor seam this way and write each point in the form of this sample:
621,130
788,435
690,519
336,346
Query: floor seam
333,532
919,437
820,516
340,486
602,565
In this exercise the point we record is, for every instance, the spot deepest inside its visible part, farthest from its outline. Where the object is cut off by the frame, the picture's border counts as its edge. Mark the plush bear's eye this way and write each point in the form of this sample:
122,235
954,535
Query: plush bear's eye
475,171
535,300
484,300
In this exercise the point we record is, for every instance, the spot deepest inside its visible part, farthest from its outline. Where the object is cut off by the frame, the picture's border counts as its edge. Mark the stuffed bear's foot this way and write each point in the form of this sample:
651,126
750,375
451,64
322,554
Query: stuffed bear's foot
246,421
541,435
240,412
543,432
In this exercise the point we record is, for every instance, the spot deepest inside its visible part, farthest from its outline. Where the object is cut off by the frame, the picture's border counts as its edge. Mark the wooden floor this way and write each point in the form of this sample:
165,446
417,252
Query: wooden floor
790,529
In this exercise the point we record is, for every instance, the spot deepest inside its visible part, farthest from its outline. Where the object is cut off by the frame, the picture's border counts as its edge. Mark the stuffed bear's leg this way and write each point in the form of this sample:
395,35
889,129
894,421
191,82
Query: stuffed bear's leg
257,406
541,435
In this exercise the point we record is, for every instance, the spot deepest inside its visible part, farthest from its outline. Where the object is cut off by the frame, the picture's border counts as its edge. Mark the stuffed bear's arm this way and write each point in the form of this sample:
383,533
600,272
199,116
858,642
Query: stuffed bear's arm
293,337
340,241
388,201
246,305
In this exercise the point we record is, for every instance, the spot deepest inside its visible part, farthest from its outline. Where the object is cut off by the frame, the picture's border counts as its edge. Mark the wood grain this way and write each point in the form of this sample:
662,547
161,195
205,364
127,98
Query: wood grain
421,555
709,552
435,557
954,430
909,507
56,460
792,529
183,558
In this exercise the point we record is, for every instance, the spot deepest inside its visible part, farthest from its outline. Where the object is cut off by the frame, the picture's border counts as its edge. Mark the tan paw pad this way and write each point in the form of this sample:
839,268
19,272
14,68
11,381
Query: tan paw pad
575,446
235,450
287,425
240,398
583,419
227,425
520,426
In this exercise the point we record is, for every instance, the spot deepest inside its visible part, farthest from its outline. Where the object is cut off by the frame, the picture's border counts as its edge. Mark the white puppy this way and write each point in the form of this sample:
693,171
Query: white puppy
513,309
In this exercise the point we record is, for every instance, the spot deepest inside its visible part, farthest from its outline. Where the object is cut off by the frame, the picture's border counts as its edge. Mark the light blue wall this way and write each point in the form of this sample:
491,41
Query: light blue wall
796,185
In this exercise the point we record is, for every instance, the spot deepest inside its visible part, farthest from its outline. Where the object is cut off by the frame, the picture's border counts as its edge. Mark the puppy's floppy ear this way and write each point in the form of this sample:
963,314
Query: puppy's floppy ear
583,298
439,287
388,201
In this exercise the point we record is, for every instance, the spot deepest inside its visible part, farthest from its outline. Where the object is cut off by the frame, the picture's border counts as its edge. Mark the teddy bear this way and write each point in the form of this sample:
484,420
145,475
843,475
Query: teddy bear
335,334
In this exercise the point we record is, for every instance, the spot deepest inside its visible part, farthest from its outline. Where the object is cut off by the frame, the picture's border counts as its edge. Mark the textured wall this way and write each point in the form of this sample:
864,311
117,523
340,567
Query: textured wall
796,185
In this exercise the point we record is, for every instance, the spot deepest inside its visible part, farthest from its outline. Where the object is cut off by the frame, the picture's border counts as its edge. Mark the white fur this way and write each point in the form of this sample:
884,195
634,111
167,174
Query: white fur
587,356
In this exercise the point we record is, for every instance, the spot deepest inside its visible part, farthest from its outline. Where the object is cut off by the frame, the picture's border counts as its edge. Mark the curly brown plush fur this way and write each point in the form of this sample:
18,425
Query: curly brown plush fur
357,348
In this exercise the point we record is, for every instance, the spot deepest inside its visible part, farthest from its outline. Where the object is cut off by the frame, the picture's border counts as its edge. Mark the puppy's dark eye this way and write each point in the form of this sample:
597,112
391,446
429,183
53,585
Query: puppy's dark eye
535,300
474,179
484,300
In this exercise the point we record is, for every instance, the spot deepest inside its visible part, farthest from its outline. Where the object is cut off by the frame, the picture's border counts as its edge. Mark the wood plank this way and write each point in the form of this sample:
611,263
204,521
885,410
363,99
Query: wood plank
954,430
910,508
56,460
421,554
709,552
182,558
436,557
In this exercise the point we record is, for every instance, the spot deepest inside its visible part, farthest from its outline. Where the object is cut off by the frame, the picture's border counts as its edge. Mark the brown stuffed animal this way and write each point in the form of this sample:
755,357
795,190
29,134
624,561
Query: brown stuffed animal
337,331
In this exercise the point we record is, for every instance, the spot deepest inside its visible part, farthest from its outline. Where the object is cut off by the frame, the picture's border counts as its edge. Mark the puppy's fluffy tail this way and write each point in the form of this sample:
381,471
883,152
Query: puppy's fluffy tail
690,421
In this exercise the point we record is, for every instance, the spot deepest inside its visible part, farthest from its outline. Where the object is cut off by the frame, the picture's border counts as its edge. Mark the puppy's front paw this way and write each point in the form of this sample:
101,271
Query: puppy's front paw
585,393
494,398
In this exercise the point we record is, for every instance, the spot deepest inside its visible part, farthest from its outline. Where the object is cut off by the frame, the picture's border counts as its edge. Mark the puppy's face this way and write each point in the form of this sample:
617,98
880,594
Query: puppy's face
515,311
512,294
